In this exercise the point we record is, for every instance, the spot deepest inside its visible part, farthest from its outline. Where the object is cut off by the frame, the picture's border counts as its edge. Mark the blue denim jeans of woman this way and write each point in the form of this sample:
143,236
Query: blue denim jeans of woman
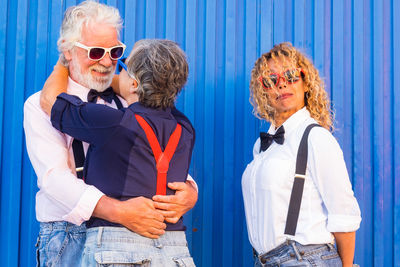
117,246
292,253
60,244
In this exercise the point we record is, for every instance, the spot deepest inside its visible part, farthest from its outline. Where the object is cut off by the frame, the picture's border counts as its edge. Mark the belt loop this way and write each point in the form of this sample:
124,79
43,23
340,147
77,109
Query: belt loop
99,234
330,246
296,251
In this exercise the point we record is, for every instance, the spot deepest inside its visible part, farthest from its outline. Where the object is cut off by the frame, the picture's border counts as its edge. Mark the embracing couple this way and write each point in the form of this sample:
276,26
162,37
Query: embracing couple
112,175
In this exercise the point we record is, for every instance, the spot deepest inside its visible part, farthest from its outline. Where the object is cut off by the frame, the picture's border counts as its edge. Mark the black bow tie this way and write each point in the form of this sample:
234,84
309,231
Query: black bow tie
266,138
107,95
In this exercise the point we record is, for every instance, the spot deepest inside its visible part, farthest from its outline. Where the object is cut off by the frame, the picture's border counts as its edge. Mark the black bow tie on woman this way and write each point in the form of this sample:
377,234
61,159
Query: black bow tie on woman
107,95
266,138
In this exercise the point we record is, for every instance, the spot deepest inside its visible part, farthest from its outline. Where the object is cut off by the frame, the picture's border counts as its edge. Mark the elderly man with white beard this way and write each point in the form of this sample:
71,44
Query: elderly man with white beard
89,46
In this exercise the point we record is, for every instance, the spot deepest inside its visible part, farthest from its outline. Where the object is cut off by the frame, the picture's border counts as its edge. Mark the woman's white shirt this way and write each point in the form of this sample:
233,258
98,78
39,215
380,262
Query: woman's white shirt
328,203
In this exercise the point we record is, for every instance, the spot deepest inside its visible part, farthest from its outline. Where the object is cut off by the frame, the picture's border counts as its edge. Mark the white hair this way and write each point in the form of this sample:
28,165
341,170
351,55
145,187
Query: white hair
83,14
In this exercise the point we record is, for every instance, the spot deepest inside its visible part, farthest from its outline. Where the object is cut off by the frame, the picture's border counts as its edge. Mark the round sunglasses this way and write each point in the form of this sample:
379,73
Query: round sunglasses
290,76
97,53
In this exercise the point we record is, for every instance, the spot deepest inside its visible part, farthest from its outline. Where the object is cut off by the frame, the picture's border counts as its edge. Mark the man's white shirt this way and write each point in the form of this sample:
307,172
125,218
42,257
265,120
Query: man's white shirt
62,196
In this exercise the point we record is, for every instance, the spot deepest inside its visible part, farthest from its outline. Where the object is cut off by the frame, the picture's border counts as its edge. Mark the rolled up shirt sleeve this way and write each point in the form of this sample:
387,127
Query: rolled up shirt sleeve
329,173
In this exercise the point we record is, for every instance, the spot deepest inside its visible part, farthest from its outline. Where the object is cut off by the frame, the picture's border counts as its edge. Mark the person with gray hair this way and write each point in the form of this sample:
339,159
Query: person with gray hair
153,143
89,46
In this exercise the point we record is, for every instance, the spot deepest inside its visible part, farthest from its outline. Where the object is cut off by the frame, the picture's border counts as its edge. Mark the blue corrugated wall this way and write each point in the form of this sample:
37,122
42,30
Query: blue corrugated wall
355,44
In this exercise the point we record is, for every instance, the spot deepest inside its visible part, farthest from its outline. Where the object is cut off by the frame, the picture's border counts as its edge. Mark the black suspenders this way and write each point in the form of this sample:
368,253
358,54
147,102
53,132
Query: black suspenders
79,156
298,184
77,147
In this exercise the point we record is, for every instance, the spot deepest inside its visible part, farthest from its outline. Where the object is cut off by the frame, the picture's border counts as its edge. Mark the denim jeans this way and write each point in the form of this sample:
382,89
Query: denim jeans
60,244
292,253
117,246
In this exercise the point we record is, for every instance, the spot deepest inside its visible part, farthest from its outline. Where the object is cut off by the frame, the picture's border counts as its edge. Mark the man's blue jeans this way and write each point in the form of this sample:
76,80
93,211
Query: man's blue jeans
60,244
117,246
292,253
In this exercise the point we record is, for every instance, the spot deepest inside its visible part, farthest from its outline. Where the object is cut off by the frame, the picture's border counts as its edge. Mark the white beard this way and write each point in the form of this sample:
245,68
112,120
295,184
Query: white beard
87,79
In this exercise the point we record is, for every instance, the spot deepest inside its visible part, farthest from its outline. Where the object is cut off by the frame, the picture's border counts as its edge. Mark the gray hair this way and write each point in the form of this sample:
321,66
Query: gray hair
161,68
83,14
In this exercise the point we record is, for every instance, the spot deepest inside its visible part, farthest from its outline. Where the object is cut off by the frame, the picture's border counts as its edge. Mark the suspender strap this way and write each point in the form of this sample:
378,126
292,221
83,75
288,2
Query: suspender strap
298,184
117,101
77,146
162,157
79,156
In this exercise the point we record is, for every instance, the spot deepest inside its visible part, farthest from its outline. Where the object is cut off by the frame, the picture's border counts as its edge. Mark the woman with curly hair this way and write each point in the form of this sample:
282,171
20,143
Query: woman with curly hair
297,193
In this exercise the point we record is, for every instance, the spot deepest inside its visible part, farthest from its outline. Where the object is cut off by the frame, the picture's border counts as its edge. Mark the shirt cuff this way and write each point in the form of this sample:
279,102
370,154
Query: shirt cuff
343,223
84,209
193,182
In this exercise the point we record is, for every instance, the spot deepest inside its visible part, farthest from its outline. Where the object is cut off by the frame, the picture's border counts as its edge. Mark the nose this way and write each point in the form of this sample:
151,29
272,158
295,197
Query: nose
106,60
281,82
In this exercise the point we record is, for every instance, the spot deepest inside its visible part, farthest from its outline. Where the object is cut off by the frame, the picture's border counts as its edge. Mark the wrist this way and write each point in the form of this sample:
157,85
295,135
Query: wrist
108,209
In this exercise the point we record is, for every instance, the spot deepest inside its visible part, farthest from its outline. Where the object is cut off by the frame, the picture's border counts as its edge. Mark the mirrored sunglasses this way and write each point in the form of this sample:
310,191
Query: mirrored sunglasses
97,53
290,76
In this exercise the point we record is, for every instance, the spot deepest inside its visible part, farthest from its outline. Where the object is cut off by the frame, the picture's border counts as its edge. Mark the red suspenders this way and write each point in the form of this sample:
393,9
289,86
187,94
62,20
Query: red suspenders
162,157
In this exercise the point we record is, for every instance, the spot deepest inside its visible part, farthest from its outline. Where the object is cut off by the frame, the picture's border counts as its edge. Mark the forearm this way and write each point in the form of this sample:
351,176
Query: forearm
346,244
108,209
55,84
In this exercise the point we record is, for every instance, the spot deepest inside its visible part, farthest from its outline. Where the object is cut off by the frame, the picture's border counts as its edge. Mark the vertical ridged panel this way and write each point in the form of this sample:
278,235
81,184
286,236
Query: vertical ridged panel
12,131
395,104
355,45
361,132
250,123
208,129
28,230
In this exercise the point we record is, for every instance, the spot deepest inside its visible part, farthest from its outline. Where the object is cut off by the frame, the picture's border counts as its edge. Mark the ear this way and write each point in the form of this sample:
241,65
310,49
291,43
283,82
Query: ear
134,86
67,55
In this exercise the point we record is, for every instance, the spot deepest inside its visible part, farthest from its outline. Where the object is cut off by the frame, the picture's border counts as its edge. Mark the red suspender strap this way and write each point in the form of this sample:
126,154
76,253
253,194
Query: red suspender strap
162,157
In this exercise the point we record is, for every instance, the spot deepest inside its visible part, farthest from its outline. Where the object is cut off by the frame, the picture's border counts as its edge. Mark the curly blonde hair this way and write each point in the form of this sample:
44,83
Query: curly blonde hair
315,98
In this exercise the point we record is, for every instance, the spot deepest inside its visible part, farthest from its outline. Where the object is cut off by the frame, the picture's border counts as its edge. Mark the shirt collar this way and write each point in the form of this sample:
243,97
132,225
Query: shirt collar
139,108
77,89
293,121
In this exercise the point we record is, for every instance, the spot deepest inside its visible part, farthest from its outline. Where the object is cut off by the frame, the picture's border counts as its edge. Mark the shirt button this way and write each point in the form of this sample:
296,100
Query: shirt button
291,255
302,253
263,260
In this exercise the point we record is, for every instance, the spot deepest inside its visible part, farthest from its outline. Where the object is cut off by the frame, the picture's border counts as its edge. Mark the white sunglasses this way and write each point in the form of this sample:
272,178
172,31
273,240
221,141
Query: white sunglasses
97,53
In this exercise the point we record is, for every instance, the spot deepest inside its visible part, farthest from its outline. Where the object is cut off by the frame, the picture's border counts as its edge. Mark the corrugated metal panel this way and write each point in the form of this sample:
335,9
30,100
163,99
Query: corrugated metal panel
355,45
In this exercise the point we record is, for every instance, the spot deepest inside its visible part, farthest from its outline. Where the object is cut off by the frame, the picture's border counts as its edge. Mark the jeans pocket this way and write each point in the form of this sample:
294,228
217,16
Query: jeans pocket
184,262
120,258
